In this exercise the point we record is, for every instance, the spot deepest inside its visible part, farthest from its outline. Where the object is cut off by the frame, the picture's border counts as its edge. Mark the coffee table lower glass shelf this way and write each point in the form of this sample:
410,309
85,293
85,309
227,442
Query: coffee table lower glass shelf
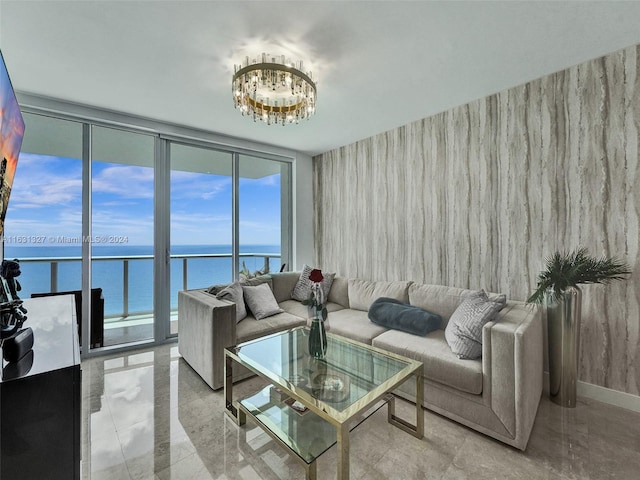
313,404
303,432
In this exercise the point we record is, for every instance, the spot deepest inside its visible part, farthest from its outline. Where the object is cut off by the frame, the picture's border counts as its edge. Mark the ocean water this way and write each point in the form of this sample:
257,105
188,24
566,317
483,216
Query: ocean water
108,274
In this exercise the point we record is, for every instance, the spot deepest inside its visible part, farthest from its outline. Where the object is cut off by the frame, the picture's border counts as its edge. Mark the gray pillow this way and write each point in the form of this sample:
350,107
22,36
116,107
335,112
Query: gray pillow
234,294
500,298
252,282
302,290
216,289
261,301
464,330
392,313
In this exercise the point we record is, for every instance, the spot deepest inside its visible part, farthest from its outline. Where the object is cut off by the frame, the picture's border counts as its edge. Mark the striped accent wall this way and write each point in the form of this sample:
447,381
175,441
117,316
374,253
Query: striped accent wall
478,196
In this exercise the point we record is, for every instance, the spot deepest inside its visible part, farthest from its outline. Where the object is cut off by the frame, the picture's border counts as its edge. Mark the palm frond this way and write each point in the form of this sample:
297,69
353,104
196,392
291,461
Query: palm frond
569,269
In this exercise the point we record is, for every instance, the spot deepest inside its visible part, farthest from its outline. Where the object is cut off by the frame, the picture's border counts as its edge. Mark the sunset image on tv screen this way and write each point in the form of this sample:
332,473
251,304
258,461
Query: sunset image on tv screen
11,133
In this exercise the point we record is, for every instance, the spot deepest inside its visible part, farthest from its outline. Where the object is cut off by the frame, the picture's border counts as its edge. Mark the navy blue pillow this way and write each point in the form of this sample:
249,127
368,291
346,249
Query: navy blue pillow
391,313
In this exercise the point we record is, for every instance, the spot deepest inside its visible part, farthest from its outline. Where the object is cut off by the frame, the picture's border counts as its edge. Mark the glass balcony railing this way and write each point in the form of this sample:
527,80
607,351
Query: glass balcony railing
127,280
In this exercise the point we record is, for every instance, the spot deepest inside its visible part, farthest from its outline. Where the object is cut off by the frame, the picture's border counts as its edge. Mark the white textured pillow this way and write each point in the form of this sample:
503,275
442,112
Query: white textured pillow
464,330
500,298
302,290
234,294
261,301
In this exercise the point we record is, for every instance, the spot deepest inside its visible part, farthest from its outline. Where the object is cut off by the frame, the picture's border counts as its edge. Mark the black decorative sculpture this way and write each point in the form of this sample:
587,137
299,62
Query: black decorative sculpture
12,313
10,270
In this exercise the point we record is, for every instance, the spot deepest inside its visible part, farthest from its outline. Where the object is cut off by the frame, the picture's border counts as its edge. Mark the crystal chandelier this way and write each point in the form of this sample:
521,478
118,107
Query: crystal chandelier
273,90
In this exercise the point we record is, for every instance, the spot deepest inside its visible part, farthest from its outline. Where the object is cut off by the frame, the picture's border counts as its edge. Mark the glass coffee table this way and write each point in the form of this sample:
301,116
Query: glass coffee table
312,404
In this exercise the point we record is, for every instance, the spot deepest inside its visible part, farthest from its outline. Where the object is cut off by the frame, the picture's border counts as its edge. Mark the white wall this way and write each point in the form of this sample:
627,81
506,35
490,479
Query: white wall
302,211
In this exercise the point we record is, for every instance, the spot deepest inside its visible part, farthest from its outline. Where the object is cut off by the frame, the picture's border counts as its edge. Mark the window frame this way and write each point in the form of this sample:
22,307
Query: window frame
164,134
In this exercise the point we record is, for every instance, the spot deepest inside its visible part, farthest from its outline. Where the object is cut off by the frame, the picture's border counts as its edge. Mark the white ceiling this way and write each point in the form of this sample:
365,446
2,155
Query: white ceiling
378,64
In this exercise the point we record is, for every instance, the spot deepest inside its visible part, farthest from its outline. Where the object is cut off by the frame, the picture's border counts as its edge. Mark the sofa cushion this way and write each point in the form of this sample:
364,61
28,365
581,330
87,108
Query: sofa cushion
296,308
234,294
391,313
250,328
302,290
362,293
438,299
339,292
440,364
353,324
443,300
261,301
464,330
283,284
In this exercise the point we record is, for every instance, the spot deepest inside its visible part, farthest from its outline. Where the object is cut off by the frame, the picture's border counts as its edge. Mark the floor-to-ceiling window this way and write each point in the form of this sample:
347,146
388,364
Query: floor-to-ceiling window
201,219
261,215
90,209
122,196
43,225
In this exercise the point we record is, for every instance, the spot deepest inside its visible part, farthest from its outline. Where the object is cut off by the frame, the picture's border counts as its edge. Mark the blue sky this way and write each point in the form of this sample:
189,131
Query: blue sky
11,123
47,194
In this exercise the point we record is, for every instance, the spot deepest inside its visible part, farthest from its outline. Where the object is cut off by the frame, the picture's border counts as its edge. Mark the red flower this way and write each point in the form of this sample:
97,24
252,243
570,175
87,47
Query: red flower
316,276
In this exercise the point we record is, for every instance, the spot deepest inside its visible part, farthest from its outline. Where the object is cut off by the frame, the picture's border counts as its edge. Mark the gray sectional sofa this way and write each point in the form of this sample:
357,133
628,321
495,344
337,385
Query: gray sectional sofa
497,394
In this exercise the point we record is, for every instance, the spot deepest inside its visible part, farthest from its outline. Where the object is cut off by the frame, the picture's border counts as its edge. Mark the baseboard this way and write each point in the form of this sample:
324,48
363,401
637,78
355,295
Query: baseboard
606,395
602,394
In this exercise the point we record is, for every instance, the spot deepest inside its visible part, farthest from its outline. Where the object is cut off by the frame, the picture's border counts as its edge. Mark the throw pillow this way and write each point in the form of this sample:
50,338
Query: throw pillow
216,289
302,290
392,313
252,282
234,294
500,298
261,301
464,330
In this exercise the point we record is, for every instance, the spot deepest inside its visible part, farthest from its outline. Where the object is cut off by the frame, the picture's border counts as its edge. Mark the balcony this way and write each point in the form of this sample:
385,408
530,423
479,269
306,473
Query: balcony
127,283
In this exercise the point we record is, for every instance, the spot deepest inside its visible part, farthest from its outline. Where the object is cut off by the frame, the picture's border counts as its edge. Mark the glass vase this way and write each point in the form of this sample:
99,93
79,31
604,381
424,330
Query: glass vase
317,338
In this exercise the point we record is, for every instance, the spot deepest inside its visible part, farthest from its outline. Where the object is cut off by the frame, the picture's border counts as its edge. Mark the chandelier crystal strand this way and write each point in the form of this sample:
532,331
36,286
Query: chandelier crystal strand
273,90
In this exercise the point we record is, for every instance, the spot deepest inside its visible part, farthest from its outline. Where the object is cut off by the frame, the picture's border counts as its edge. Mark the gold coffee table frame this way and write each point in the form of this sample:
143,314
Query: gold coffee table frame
283,359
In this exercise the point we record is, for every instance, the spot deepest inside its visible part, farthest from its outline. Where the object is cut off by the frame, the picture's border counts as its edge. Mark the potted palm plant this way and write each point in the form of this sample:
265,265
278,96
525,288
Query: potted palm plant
558,289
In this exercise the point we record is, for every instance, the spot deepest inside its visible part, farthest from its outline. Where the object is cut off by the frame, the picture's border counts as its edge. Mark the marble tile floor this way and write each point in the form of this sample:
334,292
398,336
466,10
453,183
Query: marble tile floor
134,328
146,415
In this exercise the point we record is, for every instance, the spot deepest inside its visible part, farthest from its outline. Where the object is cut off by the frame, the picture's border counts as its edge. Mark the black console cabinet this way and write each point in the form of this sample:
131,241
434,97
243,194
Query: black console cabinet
40,398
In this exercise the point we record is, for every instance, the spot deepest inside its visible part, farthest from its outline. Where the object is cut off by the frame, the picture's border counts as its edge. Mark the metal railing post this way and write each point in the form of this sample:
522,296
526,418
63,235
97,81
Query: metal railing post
125,288
266,264
54,276
185,273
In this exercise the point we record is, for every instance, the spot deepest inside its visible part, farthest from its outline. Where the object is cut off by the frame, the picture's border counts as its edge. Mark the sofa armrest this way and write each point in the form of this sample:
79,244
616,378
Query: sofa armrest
206,327
513,367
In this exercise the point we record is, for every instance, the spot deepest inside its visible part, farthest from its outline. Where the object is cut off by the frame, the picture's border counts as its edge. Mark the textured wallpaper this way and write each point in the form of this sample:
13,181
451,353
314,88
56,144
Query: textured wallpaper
478,196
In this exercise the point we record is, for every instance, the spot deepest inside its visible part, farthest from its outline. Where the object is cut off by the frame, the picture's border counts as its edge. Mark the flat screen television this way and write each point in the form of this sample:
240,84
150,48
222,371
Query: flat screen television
11,133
